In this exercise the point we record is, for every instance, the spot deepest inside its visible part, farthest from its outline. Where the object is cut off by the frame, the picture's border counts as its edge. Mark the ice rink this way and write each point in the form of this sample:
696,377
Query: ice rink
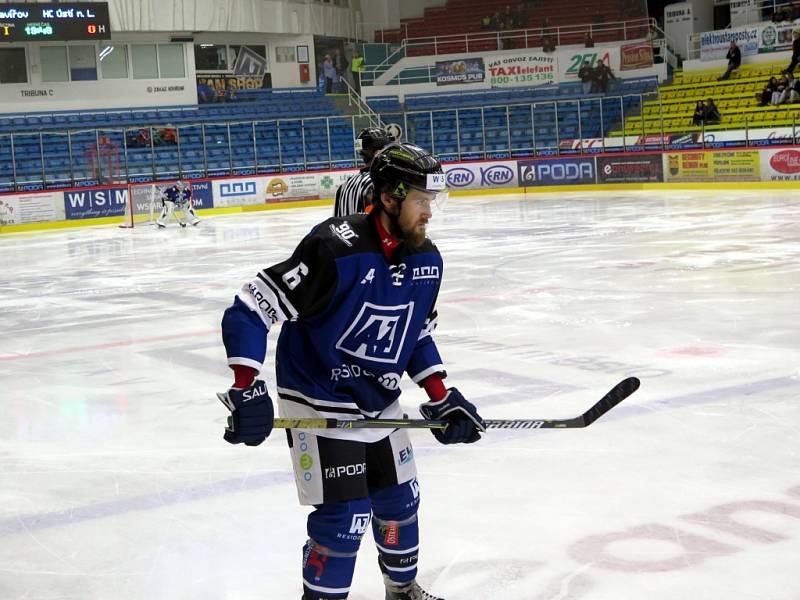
115,482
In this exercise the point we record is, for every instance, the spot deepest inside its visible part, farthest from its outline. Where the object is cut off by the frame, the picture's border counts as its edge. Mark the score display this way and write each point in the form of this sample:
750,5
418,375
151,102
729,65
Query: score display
54,22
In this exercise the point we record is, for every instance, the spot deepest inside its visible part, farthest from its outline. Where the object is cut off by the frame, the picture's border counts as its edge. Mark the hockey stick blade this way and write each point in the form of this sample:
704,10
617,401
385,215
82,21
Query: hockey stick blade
617,394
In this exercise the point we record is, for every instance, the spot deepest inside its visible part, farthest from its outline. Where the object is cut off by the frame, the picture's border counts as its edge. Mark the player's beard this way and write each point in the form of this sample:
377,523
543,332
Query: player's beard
413,234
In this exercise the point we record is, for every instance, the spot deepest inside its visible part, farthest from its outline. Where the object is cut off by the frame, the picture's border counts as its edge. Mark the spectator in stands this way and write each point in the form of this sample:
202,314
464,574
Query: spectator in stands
603,76
699,113
519,17
548,41
598,17
778,91
782,13
166,136
138,138
486,22
356,67
497,21
734,57
712,114
795,53
546,29
791,93
340,64
509,18
205,93
508,23
330,72
588,41
230,91
586,76
764,97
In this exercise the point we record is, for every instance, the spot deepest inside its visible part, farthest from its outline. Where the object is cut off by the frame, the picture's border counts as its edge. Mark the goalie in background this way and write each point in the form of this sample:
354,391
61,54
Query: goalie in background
177,197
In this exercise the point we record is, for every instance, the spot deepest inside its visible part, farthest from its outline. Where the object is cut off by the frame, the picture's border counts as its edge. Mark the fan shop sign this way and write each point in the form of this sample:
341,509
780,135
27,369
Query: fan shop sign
521,69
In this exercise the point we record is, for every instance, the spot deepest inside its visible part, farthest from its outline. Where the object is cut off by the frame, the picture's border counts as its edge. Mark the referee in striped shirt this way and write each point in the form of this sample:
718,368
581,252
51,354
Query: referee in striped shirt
355,194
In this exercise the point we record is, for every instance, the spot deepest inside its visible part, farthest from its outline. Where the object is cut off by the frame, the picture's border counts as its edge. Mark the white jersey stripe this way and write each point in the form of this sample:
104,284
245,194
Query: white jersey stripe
263,276
353,195
261,299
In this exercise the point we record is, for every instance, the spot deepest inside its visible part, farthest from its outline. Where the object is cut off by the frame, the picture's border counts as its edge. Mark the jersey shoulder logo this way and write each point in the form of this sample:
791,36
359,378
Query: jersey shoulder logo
344,232
378,333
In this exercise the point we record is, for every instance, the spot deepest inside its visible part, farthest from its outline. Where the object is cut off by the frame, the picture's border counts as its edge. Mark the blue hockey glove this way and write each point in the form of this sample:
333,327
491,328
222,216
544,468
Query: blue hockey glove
465,424
251,414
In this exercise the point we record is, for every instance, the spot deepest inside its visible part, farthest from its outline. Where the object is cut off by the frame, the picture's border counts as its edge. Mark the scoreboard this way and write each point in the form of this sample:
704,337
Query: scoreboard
54,22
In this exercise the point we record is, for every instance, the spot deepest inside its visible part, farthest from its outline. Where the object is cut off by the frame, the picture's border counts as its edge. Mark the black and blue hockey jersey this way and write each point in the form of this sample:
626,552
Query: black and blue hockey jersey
353,324
176,194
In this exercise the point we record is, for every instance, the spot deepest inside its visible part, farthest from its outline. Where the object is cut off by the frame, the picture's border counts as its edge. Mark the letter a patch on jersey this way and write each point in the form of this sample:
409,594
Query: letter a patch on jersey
368,277
377,333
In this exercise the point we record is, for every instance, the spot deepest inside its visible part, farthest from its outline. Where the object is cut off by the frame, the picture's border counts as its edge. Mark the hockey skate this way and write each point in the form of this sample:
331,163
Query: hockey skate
409,591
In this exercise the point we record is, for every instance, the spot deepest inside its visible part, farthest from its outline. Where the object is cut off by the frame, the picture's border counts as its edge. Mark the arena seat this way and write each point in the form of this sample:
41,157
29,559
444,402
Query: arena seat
734,97
459,17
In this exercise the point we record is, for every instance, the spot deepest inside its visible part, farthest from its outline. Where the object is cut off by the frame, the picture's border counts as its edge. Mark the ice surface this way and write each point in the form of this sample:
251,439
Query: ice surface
115,481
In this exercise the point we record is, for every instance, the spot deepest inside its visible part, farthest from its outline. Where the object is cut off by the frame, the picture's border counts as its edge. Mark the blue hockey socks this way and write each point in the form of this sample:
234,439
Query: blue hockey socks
396,530
329,556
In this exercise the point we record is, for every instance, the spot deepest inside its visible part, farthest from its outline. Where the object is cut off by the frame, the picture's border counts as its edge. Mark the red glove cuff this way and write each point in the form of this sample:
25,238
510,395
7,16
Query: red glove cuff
243,376
434,386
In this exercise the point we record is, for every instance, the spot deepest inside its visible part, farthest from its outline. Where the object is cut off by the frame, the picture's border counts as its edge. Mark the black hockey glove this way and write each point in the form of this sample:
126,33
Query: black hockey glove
465,424
251,414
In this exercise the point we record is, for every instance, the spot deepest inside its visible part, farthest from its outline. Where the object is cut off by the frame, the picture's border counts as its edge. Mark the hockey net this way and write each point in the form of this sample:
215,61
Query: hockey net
143,203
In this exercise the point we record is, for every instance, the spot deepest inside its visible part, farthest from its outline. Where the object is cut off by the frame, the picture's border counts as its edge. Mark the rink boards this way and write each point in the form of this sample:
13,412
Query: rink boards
740,168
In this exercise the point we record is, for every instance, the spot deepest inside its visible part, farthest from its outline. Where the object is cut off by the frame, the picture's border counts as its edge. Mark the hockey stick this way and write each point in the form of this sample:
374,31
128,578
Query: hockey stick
617,394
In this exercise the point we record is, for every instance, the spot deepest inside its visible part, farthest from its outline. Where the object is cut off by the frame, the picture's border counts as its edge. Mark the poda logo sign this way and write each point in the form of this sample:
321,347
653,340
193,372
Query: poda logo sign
556,172
786,161
563,173
497,175
459,177
567,172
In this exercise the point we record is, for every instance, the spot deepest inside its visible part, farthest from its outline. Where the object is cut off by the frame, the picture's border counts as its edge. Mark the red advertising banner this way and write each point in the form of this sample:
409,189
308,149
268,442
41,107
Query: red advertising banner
636,56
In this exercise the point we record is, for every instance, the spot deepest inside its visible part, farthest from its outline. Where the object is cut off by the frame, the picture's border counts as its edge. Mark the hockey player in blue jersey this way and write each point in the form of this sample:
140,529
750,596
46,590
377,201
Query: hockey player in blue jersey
177,197
357,300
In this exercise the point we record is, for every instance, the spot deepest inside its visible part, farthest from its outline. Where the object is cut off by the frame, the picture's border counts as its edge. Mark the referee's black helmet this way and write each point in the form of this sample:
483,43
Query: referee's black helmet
370,140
